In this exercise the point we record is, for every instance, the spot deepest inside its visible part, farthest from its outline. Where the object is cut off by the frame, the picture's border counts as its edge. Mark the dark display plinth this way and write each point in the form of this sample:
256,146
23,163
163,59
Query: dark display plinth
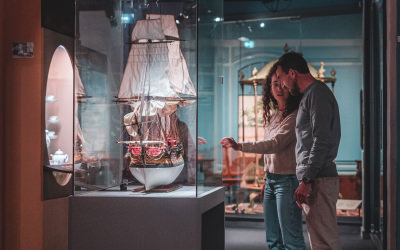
132,220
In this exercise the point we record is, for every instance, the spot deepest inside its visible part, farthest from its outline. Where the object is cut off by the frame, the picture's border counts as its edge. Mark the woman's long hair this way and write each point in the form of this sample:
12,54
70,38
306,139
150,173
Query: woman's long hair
270,103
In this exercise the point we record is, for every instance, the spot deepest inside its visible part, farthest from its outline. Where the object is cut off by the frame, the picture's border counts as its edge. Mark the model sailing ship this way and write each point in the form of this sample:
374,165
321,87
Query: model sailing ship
155,82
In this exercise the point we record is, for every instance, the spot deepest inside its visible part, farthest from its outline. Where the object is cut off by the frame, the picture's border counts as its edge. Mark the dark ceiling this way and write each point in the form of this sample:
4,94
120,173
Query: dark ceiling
257,9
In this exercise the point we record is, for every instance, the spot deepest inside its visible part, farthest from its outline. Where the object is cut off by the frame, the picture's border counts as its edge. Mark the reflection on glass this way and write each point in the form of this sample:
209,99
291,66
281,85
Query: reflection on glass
98,57
210,95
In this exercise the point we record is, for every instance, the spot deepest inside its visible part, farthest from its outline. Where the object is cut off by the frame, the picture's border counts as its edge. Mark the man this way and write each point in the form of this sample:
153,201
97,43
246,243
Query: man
318,136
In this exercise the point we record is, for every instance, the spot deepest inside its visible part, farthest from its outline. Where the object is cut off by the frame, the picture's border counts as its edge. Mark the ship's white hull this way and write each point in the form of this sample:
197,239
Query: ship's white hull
153,177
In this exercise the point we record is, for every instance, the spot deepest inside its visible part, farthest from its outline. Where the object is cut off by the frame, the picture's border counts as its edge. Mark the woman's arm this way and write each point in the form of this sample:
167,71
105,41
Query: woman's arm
285,135
229,142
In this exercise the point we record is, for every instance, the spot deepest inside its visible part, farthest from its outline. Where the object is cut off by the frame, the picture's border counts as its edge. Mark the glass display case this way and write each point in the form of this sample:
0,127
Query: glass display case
139,92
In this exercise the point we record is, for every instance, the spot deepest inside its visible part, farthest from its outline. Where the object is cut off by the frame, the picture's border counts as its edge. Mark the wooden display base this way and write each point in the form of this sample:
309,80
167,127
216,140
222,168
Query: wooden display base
348,204
159,189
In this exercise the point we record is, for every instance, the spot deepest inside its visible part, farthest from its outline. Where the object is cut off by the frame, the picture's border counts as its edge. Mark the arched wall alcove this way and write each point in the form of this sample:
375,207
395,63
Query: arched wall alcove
59,104
58,115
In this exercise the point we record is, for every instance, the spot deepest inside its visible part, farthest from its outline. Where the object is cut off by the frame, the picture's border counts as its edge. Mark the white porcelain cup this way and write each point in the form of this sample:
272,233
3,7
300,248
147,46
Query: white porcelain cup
53,119
50,98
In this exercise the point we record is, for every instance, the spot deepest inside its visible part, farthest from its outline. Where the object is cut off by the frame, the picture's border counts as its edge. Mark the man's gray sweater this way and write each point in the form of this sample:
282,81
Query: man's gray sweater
317,133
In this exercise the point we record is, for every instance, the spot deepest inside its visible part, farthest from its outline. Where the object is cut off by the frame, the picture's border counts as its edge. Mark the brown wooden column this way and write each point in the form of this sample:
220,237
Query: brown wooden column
22,82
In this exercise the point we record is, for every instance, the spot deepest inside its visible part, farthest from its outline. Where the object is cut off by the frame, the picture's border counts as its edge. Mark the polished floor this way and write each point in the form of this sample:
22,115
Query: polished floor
249,235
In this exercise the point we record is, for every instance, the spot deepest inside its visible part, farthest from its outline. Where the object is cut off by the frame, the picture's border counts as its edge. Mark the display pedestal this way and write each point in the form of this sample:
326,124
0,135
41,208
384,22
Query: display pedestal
131,220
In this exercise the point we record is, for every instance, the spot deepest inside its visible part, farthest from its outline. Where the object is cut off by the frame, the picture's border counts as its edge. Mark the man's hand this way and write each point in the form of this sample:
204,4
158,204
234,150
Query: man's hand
302,193
230,142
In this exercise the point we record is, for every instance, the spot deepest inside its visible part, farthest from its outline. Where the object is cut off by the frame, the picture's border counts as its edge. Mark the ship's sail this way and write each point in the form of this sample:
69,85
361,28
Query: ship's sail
178,75
147,30
167,24
156,69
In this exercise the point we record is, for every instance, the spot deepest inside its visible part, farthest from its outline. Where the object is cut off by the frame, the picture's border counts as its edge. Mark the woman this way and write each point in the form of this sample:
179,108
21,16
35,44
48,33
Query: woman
281,213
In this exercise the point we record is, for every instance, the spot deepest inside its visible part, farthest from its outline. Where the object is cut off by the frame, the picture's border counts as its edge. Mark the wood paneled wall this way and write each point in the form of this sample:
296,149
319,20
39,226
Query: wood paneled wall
22,80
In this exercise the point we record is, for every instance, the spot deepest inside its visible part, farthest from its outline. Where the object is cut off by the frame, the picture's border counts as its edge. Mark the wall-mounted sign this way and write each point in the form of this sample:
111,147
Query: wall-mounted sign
21,50
248,44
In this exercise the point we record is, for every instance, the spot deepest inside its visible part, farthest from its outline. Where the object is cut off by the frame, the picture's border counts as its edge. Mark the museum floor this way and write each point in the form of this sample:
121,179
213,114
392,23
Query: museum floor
249,235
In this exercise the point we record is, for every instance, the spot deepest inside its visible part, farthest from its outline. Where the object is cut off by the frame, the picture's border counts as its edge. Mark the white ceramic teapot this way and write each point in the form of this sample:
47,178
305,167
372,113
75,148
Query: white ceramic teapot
59,157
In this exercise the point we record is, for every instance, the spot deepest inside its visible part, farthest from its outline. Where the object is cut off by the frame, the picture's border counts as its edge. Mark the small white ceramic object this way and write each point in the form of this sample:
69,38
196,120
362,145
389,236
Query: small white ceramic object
50,99
52,135
59,157
53,119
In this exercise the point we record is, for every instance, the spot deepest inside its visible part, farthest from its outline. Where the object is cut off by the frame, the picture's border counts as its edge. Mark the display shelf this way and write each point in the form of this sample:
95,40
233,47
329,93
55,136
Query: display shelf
65,168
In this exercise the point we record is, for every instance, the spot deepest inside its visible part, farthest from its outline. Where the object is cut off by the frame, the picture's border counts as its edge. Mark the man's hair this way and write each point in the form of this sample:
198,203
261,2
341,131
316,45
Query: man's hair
293,60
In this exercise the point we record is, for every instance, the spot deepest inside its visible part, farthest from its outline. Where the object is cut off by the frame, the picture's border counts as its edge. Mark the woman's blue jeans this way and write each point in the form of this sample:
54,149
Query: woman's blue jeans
282,216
